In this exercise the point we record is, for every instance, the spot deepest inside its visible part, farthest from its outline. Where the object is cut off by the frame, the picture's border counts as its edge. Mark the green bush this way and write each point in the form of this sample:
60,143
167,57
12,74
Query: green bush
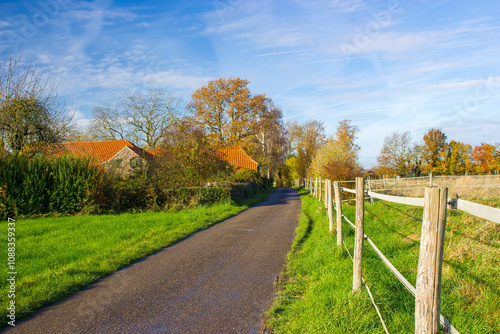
247,175
39,185
194,196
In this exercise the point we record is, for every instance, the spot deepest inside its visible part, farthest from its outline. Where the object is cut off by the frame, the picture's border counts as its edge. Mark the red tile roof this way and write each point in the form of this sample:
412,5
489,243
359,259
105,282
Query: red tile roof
102,150
238,157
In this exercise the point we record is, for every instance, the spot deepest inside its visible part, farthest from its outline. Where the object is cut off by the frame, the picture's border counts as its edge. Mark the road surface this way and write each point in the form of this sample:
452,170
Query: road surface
219,280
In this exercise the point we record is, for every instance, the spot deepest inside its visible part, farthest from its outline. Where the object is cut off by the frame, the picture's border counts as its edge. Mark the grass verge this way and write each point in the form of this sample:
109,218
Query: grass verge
316,295
58,256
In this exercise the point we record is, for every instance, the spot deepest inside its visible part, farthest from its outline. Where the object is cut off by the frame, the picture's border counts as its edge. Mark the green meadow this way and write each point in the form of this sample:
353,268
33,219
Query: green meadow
316,291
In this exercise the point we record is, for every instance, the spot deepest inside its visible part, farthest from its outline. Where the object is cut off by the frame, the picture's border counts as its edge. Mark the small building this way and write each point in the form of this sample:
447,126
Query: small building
117,153
125,155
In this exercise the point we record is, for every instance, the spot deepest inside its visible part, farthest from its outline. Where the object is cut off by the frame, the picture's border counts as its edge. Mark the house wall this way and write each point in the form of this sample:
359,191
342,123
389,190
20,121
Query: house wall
122,160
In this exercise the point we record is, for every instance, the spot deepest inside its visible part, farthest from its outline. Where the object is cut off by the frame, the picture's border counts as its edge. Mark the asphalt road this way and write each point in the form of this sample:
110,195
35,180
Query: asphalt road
219,280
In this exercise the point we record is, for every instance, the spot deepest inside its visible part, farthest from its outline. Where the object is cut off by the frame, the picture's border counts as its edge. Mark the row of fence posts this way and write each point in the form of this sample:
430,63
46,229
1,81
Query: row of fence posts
428,286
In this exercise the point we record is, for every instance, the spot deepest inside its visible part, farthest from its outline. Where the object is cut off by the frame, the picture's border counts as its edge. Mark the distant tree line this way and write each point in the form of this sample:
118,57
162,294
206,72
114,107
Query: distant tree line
401,156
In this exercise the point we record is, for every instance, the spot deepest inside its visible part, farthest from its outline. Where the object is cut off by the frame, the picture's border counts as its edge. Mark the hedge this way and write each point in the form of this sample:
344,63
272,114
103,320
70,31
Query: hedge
69,185
40,185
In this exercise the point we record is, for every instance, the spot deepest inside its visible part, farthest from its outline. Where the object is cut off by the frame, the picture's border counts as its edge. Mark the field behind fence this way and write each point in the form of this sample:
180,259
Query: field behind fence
435,203
484,189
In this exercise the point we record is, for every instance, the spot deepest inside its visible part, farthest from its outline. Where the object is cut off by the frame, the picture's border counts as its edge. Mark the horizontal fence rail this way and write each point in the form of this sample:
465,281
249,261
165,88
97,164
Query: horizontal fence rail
415,201
479,210
447,326
430,213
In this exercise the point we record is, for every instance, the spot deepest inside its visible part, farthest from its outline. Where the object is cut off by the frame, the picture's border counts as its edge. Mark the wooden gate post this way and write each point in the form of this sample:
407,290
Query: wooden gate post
430,262
328,184
338,207
359,235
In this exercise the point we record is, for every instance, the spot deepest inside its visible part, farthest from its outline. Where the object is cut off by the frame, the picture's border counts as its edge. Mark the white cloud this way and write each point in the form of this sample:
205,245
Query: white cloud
348,6
176,80
490,84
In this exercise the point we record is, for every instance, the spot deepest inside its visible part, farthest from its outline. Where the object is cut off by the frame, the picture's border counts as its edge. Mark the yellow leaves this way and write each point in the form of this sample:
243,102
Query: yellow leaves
226,110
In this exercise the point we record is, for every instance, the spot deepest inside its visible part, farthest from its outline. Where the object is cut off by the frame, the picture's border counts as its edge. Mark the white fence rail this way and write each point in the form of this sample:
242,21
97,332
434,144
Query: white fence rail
478,210
491,214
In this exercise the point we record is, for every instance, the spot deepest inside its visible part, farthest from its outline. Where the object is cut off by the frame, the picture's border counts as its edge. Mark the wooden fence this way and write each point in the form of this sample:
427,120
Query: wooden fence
428,285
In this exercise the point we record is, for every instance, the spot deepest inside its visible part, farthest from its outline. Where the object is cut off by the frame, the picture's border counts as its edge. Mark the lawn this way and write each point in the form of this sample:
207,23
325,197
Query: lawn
316,292
56,257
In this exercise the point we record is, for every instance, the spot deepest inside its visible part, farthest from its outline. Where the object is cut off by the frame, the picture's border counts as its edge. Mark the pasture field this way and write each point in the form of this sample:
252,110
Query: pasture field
315,292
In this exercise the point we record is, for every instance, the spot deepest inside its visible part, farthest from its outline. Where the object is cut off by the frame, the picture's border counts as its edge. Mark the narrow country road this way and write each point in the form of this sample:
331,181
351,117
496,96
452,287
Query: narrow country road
219,280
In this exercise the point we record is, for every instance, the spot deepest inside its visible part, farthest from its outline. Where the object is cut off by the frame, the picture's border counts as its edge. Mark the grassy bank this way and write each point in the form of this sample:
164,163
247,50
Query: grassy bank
316,293
56,257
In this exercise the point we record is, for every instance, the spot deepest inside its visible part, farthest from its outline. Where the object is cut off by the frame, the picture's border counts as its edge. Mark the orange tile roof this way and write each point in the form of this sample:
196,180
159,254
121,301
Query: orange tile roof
102,150
238,157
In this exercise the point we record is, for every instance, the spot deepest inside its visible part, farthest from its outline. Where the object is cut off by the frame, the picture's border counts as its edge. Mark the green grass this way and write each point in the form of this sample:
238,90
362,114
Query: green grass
56,257
316,294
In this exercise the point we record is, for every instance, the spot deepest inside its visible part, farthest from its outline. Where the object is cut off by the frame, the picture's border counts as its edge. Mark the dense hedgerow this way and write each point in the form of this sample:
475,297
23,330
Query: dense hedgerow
69,185
39,184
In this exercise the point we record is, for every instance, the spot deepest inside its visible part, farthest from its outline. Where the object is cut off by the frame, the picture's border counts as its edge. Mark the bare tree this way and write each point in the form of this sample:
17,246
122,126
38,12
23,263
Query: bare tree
396,154
108,122
31,113
140,117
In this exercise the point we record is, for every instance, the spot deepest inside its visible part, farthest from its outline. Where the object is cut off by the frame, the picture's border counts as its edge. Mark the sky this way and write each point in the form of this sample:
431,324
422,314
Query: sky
407,65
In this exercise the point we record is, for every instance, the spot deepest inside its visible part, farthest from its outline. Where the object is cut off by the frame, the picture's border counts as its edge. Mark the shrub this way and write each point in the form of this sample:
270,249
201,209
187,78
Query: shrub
247,175
39,184
195,196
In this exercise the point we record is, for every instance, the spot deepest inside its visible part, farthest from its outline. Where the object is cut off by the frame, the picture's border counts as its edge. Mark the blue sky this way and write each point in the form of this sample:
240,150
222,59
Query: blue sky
386,65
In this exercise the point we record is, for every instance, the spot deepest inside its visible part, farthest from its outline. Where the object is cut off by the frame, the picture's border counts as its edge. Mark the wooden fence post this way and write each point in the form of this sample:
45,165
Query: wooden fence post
326,193
359,235
320,190
338,207
316,188
430,262
329,204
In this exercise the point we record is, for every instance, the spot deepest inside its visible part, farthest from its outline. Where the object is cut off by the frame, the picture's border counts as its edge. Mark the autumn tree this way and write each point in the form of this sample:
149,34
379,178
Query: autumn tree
432,151
140,117
290,169
227,111
459,158
487,158
269,144
337,159
346,136
31,113
395,156
187,157
304,141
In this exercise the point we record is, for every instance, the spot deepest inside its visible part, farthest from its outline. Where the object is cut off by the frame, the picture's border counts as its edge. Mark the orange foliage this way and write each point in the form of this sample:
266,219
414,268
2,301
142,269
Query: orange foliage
225,109
486,157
